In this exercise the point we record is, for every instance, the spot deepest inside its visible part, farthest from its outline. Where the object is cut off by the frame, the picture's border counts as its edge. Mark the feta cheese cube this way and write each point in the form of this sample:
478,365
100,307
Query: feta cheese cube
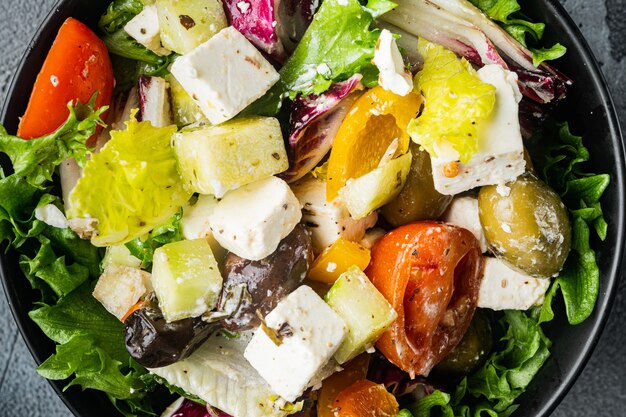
145,29
311,333
463,212
52,216
393,75
120,287
328,221
224,75
504,288
252,220
500,155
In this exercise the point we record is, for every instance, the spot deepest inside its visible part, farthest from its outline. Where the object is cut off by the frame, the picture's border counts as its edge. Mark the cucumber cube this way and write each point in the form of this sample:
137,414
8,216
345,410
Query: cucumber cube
363,308
373,190
186,279
186,24
185,110
216,159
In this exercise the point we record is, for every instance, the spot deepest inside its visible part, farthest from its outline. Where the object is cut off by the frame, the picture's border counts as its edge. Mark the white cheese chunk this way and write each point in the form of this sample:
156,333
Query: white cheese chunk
463,212
393,75
311,331
500,155
328,221
224,75
504,288
218,374
120,287
252,220
52,216
70,173
145,29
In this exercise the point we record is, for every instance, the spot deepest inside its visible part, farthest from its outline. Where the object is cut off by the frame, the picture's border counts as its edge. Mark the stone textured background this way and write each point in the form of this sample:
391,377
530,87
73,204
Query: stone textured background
599,392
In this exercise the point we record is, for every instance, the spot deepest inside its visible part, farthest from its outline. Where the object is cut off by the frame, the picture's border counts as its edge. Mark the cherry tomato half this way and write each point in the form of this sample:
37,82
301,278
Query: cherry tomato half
430,273
77,66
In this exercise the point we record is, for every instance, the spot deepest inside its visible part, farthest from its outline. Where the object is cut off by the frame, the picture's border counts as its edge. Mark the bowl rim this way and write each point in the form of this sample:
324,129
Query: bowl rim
604,303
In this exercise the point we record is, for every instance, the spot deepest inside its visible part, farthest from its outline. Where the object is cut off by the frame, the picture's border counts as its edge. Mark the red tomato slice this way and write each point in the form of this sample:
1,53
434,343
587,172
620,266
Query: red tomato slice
76,67
430,273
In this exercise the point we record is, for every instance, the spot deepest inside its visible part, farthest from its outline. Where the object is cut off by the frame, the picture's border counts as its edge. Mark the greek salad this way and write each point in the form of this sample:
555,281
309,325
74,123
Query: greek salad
263,208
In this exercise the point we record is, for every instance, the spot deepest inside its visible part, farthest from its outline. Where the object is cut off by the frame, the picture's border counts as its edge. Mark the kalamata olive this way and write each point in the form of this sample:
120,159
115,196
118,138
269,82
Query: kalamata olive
472,350
251,286
154,343
526,224
418,200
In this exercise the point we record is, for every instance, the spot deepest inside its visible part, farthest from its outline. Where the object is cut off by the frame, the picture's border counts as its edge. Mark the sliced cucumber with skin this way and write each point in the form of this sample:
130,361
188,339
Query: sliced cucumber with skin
186,279
185,24
184,109
366,312
373,190
216,159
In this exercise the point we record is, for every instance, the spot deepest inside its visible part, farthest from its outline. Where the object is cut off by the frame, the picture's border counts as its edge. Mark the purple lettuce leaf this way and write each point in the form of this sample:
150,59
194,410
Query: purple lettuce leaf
313,124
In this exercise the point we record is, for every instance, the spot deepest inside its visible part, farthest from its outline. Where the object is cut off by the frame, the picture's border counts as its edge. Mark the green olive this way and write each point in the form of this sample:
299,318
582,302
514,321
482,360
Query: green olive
472,350
527,225
418,200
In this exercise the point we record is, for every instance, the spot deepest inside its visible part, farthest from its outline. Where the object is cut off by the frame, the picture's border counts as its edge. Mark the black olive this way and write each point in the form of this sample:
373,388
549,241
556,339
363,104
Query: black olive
251,286
153,342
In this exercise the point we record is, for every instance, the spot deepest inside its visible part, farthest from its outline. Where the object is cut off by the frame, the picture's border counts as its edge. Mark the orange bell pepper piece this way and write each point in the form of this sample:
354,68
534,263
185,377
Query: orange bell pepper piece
336,259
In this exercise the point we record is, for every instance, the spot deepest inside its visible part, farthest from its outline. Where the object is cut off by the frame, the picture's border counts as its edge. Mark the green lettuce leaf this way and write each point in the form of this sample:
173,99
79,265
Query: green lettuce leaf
493,389
131,186
507,13
143,248
564,155
118,14
36,159
338,44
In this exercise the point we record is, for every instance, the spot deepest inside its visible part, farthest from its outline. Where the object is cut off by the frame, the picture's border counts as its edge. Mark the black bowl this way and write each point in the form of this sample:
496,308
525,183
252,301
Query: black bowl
590,111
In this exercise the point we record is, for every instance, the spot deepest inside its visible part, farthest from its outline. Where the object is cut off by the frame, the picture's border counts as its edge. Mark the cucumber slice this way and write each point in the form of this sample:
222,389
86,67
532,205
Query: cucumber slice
216,159
119,255
373,190
186,279
219,374
184,109
364,309
186,24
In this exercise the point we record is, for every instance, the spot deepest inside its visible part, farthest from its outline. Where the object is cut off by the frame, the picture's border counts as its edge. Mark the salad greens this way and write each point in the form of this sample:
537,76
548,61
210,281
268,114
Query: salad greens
143,247
507,13
338,44
492,390
138,167
579,281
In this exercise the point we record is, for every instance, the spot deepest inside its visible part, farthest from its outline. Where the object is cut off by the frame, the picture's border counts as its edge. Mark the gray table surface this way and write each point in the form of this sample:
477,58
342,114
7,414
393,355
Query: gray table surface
599,392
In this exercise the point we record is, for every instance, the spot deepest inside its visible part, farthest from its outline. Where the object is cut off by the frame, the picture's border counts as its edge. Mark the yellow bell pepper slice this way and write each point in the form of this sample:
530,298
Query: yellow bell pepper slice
336,259
375,120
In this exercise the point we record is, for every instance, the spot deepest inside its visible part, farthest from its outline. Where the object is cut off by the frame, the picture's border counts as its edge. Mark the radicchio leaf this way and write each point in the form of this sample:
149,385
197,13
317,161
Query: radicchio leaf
314,122
294,17
184,407
397,382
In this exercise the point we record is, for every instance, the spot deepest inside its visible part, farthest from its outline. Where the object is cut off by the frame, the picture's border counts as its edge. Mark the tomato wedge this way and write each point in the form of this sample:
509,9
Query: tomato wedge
431,273
77,66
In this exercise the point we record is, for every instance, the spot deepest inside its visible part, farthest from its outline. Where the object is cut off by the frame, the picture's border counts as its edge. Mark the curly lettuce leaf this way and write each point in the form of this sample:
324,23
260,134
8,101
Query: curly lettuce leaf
338,44
562,160
131,186
90,351
493,389
456,100
507,14
36,159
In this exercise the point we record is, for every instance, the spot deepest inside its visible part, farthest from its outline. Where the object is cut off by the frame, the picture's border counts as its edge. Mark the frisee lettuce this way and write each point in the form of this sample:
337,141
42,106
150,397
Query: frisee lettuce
36,159
493,389
562,159
508,14
338,44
